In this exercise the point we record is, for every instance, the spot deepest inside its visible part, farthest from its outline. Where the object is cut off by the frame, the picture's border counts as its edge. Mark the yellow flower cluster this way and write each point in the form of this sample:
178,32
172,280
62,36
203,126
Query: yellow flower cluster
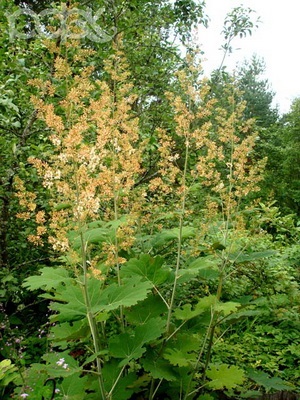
27,202
97,154
95,160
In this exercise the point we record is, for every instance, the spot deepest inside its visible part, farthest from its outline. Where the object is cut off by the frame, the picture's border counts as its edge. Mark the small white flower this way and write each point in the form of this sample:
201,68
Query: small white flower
60,362
24,395
56,391
65,366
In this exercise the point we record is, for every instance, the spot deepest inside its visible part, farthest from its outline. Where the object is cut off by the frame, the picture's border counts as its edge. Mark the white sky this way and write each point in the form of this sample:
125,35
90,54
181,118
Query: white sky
277,41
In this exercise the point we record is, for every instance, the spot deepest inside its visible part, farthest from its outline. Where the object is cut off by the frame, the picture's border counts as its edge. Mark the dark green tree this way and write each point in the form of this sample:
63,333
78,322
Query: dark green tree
280,143
289,152
256,91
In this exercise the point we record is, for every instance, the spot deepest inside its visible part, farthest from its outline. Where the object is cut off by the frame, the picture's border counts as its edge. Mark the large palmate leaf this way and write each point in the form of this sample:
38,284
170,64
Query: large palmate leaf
74,307
153,306
125,386
60,364
227,308
114,296
186,312
73,387
49,279
179,357
130,346
150,330
150,268
128,294
66,331
126,347
95,232
69,300
182,350
224,376
158,367
96,235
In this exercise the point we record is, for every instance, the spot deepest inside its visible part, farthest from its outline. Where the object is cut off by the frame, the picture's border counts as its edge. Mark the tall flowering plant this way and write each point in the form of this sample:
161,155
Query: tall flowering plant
91,172
129,245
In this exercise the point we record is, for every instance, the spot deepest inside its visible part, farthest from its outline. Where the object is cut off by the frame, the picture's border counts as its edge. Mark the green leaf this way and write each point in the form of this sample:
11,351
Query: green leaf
125,346
151,307
69,301
73,387
66,331
49,279
35,377
242,314
179,357
182,350
16,124
150,330
7,103
8,372
97,235
186,312
127,295
251,394
227,308
94,356
62,206
130,346
205,397
158,367
224,376
147,267
60,364
124,388
74,307
70,304
263,379
202,262
252,256
5,365
172,234
96,232
202,267
217,246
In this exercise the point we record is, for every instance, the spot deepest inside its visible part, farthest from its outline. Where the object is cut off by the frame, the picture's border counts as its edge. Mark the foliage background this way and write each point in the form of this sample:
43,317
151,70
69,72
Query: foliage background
141,182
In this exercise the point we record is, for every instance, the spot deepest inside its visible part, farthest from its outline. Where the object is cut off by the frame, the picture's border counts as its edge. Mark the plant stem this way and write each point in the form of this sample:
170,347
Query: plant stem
227,217
91,319
214,317
116,216
181,220
188,393
116,382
